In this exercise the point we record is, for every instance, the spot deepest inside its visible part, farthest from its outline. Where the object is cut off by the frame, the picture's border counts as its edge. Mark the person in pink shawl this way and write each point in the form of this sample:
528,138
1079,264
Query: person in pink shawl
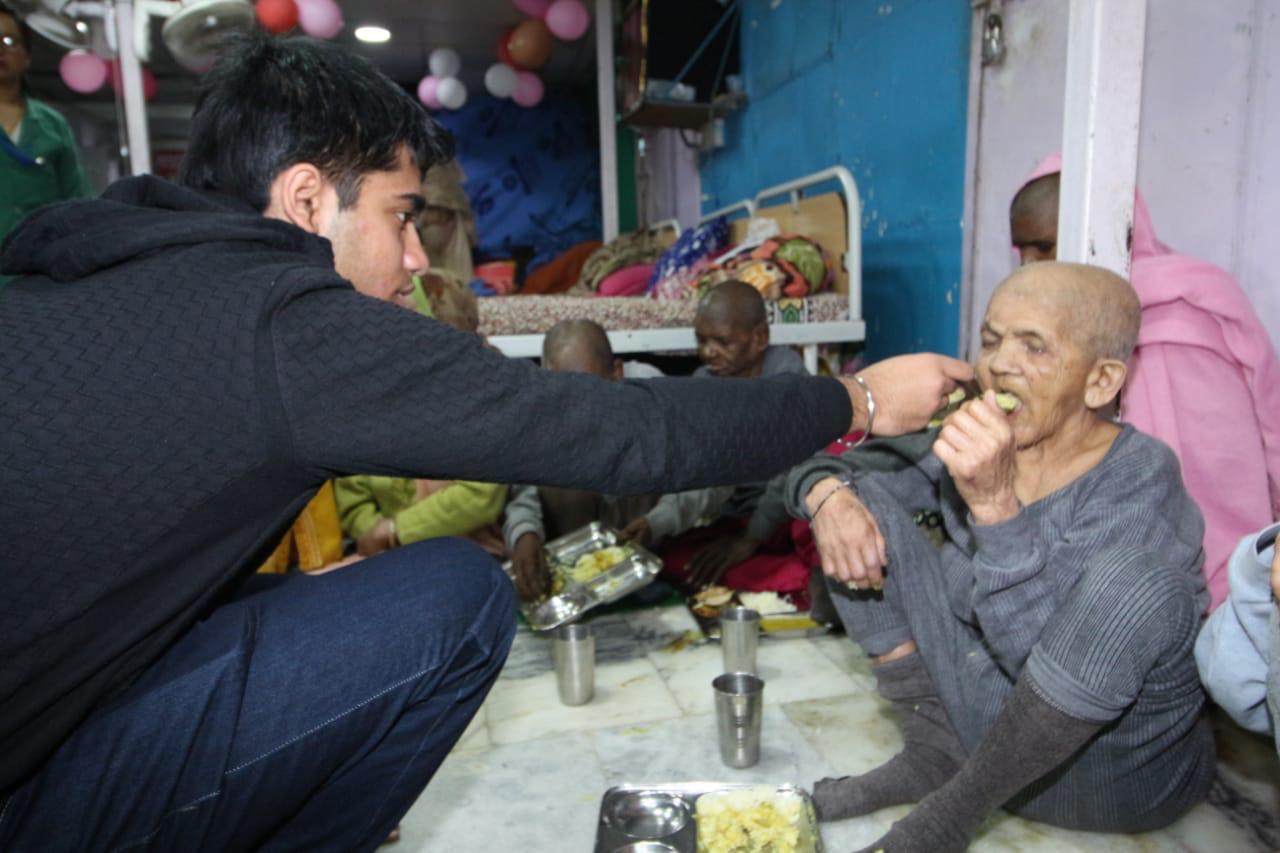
1204,378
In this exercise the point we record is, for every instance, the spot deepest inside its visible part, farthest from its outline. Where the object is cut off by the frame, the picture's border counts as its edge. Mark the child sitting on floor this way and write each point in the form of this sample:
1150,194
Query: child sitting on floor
380,513
536,515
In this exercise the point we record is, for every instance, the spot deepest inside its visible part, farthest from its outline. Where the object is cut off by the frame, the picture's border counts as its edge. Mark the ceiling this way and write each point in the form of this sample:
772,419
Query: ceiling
471,27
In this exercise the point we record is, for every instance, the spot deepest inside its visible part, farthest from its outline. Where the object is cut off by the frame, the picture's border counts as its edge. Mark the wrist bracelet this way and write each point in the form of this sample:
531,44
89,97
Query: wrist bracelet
871,411
844,481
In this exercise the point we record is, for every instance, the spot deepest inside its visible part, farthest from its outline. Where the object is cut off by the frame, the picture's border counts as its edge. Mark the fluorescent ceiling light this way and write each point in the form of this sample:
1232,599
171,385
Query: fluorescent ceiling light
373,35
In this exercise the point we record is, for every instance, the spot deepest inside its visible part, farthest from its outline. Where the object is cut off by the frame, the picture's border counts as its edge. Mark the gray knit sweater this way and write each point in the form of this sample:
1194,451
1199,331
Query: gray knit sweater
1095,593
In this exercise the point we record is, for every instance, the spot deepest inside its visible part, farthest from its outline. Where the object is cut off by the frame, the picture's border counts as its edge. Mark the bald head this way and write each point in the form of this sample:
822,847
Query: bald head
578,346
734,302
1033,219
1096,309
1037,198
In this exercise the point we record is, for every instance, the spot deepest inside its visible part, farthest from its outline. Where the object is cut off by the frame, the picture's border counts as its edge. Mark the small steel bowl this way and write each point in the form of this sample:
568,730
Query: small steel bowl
647,847
648,815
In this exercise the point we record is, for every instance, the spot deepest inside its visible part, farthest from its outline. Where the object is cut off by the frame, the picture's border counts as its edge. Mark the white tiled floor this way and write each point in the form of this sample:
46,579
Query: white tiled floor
529,773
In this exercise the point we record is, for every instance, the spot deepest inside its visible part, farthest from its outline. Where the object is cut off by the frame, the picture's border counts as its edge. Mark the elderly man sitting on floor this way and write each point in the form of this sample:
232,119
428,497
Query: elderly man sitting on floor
1042,659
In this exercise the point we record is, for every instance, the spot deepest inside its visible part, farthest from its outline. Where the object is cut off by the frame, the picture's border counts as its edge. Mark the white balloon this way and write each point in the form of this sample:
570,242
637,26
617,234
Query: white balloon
451,93
445,62
500,80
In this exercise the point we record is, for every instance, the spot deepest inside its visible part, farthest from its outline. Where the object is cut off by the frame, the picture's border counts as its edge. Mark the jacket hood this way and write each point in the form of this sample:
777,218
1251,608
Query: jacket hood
1145,242
74,239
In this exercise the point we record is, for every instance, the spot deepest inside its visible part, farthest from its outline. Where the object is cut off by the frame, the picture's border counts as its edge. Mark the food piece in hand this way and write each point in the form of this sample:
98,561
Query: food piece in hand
958,396
750,820
1006,401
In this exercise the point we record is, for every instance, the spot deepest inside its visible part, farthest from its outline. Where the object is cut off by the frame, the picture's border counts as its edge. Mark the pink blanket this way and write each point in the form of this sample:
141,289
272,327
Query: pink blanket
1205,380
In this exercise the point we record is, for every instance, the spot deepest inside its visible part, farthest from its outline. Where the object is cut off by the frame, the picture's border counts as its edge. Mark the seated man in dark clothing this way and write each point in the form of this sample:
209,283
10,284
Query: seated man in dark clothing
1042,659
732,331
183,366
538,514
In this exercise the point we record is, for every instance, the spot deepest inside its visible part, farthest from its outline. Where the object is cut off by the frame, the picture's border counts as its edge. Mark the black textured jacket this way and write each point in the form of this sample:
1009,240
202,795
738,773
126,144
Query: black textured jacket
179,374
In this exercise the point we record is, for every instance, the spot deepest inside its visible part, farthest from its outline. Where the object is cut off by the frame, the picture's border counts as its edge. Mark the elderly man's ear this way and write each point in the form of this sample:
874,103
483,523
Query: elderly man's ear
1104,382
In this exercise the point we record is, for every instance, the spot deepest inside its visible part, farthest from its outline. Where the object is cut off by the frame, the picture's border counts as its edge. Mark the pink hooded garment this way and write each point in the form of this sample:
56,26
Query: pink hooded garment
1204,380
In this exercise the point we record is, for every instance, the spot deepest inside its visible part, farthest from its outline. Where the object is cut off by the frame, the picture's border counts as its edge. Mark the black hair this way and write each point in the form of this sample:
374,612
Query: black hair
24,29
270,103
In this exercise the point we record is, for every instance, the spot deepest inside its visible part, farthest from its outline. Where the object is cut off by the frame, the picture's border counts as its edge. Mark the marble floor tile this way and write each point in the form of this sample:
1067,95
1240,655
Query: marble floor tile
539,797
847,655
632,692
666,621
792,670
1248,761
529,773
855,733
476,735
686,750
619,637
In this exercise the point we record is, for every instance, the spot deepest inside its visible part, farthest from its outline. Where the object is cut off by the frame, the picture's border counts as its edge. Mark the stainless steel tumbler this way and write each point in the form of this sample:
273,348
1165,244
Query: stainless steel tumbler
573,650
739,711
739,638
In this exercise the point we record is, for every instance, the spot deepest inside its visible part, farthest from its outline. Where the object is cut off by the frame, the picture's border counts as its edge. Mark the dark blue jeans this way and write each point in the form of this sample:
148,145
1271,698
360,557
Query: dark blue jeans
306,716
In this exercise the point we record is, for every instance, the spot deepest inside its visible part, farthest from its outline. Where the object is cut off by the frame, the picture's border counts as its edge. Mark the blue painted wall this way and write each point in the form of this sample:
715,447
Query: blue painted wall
880,87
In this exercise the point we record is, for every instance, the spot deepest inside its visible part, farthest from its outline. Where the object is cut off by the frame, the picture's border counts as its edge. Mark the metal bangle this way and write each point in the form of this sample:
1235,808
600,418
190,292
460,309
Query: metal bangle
844,481
871,411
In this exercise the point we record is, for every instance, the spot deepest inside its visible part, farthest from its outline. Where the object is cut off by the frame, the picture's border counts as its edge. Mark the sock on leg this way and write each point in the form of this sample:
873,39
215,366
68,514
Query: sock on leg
931,754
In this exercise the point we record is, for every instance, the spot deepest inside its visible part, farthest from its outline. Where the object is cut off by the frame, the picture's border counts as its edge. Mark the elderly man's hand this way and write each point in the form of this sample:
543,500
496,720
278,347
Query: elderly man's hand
908,390
848,538
976,444
529,565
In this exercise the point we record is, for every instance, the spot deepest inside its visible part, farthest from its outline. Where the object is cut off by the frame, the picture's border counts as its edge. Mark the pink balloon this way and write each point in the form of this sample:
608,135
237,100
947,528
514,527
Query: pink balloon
83,72
150,87
320,18
567,19
427,92
532,8
529,90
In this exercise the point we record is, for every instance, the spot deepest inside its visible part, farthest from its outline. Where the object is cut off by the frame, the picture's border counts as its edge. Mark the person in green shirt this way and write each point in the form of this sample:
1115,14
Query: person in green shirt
38,159
383,512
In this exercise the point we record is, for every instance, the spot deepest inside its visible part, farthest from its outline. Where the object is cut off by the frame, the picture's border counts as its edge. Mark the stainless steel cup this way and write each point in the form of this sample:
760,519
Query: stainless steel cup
739,710
739,637
573,650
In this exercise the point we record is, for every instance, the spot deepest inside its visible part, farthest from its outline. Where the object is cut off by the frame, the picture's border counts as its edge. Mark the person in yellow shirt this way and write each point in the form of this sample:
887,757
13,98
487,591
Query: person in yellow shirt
381,513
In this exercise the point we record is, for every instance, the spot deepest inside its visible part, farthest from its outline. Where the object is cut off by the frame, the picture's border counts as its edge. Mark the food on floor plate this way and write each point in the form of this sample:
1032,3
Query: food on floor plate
707,602
751,820
595,562
766,602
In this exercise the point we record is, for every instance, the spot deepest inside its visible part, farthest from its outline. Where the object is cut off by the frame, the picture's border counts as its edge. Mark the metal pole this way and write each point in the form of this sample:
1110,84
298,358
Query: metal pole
135,105
1105,41
608,126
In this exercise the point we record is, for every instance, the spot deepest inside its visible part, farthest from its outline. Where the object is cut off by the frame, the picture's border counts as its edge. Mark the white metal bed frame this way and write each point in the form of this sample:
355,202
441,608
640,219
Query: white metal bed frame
805,335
